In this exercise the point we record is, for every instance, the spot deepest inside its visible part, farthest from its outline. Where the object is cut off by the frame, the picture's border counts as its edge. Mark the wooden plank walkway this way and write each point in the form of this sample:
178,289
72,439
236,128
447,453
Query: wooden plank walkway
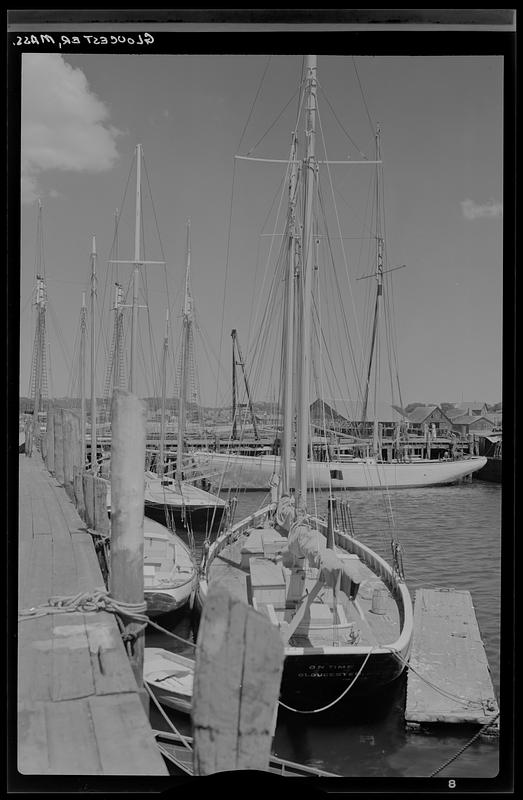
450,680
79,710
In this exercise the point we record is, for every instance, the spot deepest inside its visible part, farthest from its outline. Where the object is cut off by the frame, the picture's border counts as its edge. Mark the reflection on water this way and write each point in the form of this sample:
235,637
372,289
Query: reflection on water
450,537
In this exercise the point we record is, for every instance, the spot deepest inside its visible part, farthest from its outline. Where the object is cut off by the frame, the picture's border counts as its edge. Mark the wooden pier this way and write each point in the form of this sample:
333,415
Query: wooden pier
449,679
79,707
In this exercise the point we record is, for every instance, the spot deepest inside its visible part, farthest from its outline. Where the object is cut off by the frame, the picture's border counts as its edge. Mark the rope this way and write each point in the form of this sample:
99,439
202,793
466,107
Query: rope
465,746
166,717
448,695
98,600
337,700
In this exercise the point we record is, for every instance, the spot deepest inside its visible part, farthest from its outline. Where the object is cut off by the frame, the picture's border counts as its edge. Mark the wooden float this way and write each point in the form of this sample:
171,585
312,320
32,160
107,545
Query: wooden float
449,678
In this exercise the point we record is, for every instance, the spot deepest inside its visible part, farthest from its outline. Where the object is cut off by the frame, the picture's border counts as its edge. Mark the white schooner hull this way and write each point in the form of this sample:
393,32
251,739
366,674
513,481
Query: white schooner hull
231,471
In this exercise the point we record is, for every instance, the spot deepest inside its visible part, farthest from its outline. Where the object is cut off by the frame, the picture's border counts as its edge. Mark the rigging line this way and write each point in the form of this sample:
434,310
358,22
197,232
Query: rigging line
227,265
345,260
339,295
273,124
254,102
283,184
373,127
360,151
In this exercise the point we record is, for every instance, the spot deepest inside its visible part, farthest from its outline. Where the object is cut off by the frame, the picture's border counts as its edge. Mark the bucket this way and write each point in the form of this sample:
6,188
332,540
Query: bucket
379,597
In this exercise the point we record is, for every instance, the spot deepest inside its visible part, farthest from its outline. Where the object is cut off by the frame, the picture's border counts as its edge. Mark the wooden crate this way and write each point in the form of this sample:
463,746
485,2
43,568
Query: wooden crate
267,581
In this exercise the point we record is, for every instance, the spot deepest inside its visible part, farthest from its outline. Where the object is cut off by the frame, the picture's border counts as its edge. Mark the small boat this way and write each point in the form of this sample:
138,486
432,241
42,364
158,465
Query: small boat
178,751
170,676
181,503
169,569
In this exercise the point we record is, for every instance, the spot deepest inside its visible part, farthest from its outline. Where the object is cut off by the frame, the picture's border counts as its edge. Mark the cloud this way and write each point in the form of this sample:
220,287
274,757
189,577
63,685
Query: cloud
64,125
472,210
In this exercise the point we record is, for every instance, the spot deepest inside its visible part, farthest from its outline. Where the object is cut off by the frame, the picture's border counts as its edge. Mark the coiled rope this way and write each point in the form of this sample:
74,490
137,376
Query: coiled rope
98,600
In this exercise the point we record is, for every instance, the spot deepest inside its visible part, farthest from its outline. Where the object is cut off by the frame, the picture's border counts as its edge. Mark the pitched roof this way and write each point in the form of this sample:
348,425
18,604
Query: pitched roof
421,413
352,411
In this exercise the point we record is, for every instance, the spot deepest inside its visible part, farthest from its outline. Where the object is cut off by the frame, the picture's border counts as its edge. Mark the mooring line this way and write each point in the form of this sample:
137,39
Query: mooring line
462,750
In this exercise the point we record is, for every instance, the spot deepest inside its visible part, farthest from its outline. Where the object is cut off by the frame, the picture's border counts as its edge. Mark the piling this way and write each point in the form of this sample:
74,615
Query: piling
127,509
49,456
239,663
58,446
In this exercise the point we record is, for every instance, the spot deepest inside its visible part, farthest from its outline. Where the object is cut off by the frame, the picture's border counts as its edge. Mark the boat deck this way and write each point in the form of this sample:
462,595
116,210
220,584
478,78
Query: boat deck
79,709
447,653
250,571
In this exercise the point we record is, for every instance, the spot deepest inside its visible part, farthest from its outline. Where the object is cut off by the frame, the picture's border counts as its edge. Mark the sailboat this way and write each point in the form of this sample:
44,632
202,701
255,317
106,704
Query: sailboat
176,503
343,612
173,498
339,462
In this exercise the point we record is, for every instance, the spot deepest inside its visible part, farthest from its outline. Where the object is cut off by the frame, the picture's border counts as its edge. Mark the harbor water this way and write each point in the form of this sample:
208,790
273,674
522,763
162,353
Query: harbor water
450,537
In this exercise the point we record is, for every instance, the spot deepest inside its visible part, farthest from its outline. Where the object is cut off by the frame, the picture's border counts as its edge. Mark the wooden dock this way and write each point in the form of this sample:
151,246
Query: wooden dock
79,708
449,680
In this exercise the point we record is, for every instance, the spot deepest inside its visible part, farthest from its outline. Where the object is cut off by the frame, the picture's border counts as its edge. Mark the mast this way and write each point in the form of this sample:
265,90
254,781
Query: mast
118,336
136,274
83,337
379,284
160,469
234,424
187,322
304,355
93,358
38,381
235,343
288,372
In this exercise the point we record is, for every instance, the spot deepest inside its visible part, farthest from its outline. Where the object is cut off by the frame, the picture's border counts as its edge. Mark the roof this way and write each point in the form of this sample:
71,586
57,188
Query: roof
465,419
350,411
420,413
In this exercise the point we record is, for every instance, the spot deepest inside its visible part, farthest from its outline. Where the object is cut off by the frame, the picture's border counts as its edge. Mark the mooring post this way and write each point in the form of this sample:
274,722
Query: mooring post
127,505
58,446
239,664
78,488
49,456
67,433
330,522
101,516
88,490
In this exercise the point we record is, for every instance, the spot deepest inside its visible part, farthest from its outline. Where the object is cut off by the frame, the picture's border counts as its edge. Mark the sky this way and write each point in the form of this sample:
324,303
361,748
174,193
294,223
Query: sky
442,148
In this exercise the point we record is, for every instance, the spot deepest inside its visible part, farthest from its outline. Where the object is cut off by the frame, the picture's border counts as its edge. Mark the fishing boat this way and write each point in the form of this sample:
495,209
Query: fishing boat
237,470
335,465
172,502
344,613
169,570
170,676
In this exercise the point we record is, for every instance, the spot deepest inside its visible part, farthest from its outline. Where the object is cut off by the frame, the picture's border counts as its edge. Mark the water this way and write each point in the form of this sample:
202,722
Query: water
451,537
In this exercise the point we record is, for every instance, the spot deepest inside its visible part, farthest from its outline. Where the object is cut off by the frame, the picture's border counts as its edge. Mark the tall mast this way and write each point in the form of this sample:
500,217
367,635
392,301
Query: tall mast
187,322
310,167
241,362
118,336
136,274
93,358
38,376
379,291
234,421
83,337
160,469
288,372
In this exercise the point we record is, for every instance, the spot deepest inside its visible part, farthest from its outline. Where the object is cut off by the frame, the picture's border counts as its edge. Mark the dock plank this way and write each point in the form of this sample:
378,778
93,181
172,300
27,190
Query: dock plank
72,672
450,680
121,721
71,741
77,692
33,757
